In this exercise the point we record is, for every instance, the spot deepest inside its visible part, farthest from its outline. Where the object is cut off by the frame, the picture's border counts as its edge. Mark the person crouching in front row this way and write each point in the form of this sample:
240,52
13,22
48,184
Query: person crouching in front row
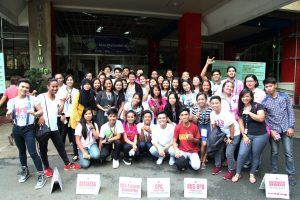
86,133
185,142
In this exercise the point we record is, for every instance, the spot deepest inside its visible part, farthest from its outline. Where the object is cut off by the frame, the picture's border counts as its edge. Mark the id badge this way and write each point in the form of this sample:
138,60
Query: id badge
105,114
204,132
246,131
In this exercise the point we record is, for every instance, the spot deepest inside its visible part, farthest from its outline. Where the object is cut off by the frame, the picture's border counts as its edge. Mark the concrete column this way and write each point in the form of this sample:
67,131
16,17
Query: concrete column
40,46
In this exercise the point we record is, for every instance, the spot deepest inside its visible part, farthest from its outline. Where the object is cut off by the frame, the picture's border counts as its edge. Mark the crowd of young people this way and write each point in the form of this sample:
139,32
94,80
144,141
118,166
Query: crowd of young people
163,116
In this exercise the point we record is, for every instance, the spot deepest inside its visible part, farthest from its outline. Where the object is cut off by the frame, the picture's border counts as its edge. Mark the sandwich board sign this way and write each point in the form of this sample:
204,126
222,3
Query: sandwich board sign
130,187
56,181
195,188
158,187
276,186
88,183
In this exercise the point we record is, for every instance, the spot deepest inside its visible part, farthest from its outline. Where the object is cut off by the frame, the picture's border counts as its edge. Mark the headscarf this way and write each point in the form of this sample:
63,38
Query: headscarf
86,97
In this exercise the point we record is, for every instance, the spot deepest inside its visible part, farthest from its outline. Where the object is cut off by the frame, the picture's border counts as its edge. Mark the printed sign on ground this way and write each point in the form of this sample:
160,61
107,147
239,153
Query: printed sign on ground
88,184
195,188
130,187
158,187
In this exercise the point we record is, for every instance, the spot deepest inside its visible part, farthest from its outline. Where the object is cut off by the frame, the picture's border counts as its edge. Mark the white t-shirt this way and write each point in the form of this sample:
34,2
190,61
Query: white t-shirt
68,104
163,136
216,89
90,139
21,108
146,133
224,119
107,132
52,108
138,110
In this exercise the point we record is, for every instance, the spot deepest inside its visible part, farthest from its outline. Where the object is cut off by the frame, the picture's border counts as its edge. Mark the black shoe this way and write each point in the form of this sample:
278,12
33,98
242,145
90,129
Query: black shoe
126,161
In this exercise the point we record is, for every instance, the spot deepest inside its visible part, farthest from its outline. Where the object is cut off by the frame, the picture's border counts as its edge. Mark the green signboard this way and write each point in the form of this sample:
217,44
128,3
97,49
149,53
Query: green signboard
242,69
2,74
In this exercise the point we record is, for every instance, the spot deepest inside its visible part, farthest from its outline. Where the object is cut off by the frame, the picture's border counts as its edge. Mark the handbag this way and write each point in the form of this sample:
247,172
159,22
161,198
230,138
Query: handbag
44,130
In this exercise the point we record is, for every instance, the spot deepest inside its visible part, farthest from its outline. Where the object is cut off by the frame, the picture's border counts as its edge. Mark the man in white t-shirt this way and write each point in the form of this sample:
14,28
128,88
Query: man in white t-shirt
145,132
21,110
225,120
110,137
51,108
162,139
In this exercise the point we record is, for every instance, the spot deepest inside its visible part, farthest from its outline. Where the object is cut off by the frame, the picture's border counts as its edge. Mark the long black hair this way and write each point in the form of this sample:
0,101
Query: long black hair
241,104
152,93
168,107
83,122
179,89
209,93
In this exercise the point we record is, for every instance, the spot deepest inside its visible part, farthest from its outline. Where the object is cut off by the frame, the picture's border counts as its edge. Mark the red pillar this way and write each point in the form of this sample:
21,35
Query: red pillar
189,43
290,69
153,55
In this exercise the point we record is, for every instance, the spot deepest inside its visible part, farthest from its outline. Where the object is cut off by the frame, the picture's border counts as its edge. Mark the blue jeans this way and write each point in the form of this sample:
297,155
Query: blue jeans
144,147
24,137
94,153
287,143
229,153
257,145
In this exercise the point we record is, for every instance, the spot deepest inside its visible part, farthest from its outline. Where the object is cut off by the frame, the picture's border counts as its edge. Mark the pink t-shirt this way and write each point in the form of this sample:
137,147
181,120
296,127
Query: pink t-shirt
11,92
232,105
131,131
155,103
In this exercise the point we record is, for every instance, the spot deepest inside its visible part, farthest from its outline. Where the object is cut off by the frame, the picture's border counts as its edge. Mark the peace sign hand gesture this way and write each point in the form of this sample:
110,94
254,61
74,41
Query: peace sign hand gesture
210,61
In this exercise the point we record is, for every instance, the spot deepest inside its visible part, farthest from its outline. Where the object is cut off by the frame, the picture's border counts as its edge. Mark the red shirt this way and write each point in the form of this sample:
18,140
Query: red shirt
181,133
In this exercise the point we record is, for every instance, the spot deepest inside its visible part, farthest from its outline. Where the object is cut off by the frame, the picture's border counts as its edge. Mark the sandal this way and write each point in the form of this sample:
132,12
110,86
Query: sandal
236,178
203,165
252,178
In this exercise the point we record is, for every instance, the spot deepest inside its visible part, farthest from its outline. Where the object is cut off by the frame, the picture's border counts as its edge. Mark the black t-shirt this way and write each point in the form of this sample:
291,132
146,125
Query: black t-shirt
254,127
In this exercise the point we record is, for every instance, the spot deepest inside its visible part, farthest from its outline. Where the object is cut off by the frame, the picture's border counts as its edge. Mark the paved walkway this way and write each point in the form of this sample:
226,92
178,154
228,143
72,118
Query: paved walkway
217,187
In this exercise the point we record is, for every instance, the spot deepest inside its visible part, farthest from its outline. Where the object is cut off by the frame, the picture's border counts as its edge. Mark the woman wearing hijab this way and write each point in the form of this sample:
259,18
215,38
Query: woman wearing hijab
83,99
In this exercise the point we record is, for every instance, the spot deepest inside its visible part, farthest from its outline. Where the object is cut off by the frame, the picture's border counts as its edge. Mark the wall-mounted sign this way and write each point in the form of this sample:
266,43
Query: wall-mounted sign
242,69
2,74
108,45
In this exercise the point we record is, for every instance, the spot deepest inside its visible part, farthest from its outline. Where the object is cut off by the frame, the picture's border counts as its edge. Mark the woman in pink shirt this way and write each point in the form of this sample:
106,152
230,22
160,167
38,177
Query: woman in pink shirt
130,138
156,103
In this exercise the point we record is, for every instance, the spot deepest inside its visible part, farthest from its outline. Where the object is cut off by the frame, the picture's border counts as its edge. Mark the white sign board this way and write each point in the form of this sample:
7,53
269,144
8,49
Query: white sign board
277,186
56,180
158,187
130,187
195,188
2,74
88,184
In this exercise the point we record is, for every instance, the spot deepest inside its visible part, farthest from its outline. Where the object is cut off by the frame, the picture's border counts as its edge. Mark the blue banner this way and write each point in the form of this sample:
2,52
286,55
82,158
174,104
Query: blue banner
108,45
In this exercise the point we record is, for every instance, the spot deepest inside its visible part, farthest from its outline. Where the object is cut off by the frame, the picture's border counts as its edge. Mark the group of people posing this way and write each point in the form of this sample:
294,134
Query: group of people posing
163,116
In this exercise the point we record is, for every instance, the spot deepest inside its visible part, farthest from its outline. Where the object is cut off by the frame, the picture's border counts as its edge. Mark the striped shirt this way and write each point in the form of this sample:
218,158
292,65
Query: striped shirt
204,115
280,114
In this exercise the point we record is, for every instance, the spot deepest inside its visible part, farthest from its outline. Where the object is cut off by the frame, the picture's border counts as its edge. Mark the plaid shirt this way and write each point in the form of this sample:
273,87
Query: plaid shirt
280,114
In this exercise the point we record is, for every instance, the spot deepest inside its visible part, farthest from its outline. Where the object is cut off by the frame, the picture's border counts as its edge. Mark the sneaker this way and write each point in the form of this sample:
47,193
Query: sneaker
292,180
116,164
48,172
228,175
71,166
126,161
159,160
172,160
41,181
108,158
24,174
216,170
247,165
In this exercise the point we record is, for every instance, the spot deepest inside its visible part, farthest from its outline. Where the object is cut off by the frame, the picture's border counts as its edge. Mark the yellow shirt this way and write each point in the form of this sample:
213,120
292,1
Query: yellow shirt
77,110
